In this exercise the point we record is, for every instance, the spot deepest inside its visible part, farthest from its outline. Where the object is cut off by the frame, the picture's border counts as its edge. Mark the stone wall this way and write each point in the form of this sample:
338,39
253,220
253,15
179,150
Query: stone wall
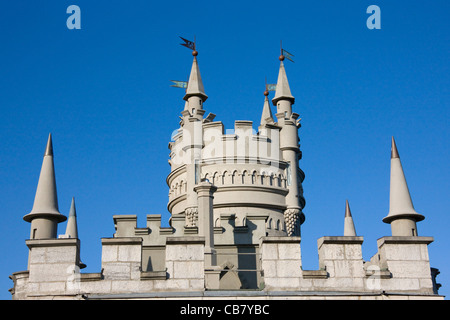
399,270
281,263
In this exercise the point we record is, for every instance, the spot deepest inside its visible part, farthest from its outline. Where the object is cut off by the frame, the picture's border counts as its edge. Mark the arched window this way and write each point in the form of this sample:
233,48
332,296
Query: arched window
215,178
234,177
253,177
245,177
225,178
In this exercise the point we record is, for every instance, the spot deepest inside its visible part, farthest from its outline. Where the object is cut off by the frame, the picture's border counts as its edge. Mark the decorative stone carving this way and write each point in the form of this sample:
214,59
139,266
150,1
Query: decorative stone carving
292,221
191,216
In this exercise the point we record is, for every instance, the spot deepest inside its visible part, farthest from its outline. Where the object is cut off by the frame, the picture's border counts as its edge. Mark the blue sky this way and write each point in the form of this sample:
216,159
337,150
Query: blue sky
104,93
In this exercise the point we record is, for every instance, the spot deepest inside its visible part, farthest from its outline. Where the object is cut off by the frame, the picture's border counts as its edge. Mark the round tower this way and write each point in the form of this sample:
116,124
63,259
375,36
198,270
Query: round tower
256,173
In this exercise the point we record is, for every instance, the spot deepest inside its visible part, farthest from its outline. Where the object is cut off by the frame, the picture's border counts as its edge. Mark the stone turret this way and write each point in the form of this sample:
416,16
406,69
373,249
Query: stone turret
193,138
45,215
289,146
402,216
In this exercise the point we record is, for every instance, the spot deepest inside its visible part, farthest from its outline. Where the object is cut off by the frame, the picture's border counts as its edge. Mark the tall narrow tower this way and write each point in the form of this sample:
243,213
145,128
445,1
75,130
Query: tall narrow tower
402,216
193,138
45,216
289,146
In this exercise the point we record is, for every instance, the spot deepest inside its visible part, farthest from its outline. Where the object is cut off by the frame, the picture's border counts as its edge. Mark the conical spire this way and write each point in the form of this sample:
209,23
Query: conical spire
72,228
283,91
46,199
400,203
49,147
266,117
394,151
349,226
195,84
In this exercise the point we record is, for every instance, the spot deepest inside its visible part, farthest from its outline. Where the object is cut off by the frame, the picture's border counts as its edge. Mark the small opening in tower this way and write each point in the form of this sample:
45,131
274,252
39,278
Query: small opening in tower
193,110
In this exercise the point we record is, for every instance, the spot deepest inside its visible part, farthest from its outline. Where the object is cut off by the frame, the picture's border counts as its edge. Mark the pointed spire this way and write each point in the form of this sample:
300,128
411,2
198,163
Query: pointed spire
49,148
72,228
195,84
349,226
394,151
46,199
266,117
283,91
400,203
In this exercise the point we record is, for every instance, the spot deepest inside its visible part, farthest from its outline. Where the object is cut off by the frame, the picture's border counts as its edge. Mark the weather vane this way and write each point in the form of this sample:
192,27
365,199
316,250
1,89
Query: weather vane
270,87
285,54
179,84
190,45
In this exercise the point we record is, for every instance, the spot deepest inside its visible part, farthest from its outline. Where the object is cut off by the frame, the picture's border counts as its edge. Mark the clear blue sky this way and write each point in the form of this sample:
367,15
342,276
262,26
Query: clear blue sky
104,93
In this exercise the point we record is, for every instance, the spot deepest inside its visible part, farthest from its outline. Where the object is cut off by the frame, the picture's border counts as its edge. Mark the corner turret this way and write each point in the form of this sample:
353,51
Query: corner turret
193,137
45,215
290,149
402,216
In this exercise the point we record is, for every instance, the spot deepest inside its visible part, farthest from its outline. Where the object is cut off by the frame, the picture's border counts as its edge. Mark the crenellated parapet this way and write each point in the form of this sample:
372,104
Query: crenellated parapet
401,266
239,145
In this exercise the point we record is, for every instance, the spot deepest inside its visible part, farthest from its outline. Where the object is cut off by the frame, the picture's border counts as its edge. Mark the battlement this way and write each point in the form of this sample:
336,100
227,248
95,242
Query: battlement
227,227
274,264
219,145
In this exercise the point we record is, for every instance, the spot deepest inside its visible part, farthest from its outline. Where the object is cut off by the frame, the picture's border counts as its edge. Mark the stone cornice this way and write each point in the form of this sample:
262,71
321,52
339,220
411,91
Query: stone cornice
404,240
339,240
185,240
122,241
52,242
